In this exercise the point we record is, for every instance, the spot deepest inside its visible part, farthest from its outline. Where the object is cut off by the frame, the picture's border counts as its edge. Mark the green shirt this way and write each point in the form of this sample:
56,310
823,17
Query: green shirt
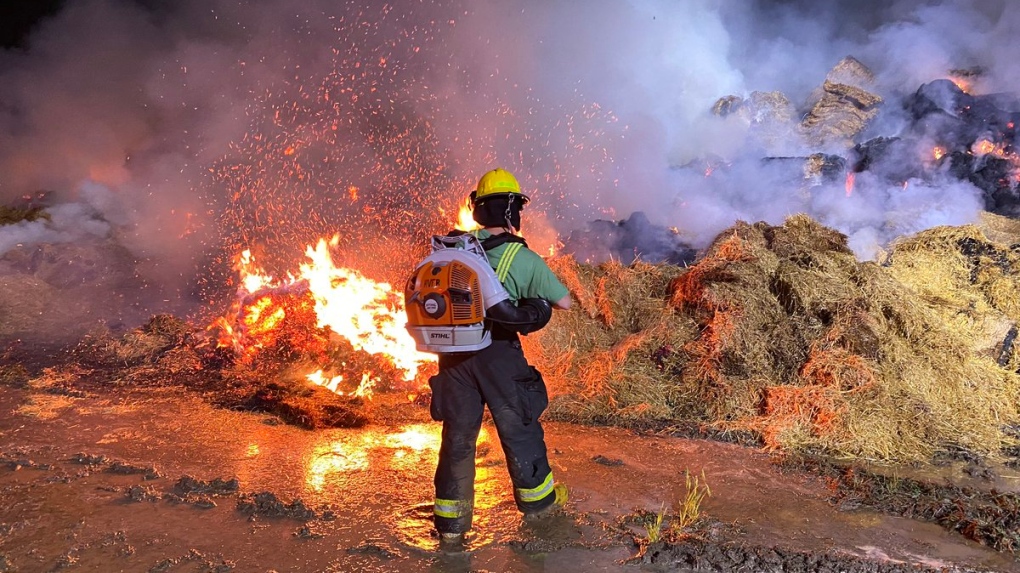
528,275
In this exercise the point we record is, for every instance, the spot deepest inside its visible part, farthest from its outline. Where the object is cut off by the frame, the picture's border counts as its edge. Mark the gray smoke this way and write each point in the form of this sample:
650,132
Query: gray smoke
130,113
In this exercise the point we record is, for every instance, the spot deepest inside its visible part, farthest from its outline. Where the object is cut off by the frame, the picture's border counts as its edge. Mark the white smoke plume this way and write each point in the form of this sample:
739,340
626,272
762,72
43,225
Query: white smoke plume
242,122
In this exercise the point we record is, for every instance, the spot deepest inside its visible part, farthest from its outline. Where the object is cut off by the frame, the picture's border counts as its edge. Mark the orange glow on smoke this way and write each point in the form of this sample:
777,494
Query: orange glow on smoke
849,185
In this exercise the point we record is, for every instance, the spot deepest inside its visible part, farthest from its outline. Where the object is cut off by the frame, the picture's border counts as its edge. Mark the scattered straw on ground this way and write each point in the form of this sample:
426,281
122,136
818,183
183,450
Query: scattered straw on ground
45,406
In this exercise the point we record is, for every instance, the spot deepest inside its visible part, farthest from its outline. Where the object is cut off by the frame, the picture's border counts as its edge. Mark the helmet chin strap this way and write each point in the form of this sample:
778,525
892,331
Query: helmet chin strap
508,214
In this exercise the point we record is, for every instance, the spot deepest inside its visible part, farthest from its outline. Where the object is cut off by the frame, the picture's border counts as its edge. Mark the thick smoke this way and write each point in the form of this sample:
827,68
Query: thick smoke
188,130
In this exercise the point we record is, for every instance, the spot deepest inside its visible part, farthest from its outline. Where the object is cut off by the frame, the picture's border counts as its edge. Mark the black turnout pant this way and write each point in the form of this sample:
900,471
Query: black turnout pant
499,377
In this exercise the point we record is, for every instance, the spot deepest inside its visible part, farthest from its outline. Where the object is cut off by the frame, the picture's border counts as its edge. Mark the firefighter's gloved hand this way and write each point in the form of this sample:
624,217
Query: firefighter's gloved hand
529,315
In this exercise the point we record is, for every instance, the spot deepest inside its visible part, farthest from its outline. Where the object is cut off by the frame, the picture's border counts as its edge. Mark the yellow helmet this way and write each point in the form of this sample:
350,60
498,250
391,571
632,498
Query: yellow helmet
498,182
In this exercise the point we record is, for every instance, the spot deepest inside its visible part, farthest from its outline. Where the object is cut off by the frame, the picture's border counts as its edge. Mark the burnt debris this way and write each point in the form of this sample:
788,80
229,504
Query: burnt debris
626,241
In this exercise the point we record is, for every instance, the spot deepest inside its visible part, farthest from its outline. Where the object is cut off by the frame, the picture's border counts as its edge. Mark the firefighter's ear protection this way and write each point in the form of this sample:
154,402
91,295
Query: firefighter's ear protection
498,211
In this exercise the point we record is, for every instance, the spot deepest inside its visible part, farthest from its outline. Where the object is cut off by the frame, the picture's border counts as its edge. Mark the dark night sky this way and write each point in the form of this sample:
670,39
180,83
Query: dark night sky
18,17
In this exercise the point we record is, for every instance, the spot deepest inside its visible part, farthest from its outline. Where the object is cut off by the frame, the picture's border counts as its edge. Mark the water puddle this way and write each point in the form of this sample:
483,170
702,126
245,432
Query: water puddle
378,483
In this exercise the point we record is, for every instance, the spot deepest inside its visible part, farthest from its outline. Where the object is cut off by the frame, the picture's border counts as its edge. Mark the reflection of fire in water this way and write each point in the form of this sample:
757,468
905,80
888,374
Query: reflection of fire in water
408,446
368,314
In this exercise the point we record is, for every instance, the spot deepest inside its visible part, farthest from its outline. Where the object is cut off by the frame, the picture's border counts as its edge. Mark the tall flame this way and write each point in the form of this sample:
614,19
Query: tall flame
465,219
367,313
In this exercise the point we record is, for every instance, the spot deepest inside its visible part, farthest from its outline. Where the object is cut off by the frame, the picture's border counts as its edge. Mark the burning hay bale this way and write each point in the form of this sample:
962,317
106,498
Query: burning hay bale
778,330
270,375
844,107
771,117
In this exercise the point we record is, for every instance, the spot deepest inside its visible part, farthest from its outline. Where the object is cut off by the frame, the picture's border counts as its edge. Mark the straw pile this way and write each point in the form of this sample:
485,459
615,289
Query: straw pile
610,358
780,331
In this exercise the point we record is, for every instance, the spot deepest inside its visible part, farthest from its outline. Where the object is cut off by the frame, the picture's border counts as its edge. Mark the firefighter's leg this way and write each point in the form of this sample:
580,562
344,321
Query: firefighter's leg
461,411
516,395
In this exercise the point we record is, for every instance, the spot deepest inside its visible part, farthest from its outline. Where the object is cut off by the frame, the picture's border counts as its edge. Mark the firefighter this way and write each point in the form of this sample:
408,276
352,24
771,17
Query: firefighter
497,376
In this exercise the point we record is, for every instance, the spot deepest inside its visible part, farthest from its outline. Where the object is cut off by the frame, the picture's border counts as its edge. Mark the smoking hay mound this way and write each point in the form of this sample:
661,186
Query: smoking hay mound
781,332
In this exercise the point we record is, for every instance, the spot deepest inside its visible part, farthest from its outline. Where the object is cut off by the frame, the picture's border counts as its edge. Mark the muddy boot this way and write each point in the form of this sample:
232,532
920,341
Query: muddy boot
451,541
560,500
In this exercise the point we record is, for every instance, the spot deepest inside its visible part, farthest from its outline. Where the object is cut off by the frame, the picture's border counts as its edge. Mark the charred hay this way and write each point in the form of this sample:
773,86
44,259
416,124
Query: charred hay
168,351
780,331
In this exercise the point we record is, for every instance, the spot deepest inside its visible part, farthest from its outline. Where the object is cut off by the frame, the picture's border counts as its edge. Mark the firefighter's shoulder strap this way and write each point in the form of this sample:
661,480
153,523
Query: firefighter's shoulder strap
502,268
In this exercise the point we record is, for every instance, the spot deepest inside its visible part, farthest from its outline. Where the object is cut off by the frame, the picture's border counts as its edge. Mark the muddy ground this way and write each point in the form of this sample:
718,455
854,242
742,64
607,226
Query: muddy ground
159,480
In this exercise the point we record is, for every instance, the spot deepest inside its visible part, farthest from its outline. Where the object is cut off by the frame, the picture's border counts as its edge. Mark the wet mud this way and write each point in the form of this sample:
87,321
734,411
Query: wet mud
159,480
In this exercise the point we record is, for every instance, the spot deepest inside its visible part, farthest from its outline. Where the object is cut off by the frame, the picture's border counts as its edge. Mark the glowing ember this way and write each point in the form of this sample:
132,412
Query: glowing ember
984,147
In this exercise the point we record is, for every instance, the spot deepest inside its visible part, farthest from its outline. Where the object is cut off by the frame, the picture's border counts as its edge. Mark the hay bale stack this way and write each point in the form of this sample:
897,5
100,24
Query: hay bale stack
844,106
999,229
781,331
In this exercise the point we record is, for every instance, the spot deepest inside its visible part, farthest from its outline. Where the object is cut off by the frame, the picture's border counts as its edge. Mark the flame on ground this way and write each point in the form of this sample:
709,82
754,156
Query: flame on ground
367,313
332,384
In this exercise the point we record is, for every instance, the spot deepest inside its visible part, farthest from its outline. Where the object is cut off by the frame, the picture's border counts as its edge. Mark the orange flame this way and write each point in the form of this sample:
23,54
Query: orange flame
368,314
850,178
364,389
938,152
465,220
964,85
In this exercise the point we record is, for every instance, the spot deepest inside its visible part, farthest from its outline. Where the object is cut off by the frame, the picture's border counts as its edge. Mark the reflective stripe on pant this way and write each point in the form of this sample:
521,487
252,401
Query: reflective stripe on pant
452,508
535,494
499,377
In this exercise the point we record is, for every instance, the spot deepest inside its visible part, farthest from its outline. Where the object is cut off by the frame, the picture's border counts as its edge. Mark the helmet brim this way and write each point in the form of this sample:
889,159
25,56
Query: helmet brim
524,198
